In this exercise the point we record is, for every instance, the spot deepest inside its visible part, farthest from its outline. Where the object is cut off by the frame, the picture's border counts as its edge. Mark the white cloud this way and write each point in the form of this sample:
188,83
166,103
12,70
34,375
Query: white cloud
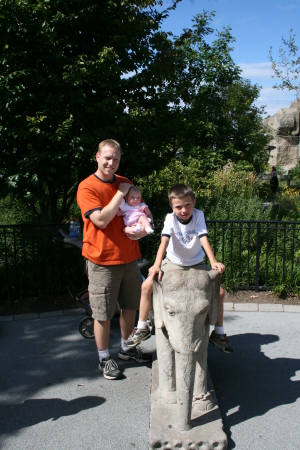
287,7
260,70
274,99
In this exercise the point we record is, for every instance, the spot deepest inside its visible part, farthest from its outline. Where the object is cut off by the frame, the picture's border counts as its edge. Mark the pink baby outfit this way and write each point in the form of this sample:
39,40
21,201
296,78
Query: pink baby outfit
131,214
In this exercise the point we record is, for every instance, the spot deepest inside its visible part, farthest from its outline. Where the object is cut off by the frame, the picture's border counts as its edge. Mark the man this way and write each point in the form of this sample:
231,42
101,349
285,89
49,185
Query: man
112,267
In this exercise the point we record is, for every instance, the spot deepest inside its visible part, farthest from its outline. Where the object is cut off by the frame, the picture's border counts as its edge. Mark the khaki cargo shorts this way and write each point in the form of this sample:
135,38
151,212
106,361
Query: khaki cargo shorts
169,265
109,284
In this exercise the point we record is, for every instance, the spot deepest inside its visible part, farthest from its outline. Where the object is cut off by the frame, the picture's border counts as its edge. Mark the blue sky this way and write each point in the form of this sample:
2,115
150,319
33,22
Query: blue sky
257,25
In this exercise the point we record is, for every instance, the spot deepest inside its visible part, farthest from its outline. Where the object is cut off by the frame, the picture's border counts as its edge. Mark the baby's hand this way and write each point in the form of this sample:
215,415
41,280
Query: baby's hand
143,207
218,266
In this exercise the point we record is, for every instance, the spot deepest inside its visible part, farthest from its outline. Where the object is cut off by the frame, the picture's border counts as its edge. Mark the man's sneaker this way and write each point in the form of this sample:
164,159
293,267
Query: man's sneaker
138,335
221,341
109,368
135,354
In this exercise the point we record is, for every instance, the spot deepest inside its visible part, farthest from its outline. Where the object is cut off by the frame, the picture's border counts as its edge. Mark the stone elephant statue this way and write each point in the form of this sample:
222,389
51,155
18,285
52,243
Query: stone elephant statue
185,303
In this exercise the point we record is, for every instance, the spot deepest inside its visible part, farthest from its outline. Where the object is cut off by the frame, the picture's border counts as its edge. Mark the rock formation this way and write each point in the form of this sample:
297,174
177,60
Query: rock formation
285,147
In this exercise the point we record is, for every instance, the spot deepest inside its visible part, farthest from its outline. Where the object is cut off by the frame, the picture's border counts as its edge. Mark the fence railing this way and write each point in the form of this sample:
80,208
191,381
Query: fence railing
258,255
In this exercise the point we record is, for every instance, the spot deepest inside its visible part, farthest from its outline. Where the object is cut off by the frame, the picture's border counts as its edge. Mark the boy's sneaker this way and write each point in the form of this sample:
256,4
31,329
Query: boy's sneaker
137,336
109,368
221,341
135,354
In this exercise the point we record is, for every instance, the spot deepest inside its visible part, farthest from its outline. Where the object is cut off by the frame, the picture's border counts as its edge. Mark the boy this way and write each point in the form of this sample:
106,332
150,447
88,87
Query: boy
184,236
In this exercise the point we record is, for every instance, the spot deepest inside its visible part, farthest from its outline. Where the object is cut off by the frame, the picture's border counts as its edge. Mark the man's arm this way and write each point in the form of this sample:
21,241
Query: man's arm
101,218
156,268
210,254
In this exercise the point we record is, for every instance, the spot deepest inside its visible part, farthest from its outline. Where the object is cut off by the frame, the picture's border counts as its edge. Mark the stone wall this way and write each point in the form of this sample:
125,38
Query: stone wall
285,147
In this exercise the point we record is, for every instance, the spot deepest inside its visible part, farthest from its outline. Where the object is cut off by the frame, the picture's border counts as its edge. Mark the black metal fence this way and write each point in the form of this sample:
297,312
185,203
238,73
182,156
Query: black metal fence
258,255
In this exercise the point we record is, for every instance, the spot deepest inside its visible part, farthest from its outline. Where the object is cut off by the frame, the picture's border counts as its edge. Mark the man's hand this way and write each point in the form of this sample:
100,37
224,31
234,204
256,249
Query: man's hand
124,188
218,266
133,235
153,271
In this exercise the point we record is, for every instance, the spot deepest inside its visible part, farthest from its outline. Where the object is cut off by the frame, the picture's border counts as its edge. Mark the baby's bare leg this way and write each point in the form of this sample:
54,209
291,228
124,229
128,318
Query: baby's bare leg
143,220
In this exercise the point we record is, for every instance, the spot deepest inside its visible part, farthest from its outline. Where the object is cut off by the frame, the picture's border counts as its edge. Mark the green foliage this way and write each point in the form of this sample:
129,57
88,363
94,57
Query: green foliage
295,172
288,67
155,186
65,82
14,211
68,81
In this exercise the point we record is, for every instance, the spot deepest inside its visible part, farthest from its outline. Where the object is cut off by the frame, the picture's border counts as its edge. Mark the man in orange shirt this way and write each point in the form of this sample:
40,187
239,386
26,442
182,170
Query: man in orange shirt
112,267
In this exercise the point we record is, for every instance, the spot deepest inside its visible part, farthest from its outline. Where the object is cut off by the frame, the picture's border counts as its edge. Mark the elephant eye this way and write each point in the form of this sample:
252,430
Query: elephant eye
171,312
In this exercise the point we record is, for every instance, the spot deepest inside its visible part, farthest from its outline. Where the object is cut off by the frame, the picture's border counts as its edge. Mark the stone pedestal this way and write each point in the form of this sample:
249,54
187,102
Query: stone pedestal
207,426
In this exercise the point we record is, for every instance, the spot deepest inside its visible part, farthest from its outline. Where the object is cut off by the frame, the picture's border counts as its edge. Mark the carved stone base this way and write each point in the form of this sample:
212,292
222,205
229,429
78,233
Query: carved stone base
207,432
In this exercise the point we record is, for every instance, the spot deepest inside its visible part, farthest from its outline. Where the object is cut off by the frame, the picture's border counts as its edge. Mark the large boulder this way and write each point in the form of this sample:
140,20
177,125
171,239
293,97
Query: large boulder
285,148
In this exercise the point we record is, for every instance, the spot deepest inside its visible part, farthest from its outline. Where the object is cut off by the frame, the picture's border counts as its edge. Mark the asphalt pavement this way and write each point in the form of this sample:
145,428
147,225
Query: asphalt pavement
53,396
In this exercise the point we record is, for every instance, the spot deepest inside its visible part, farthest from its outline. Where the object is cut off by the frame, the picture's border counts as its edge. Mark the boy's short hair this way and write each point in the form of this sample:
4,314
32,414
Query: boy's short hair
180,191
110,143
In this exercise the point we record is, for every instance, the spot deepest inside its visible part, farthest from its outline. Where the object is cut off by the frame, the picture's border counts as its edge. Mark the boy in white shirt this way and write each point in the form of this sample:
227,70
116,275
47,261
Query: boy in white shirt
184,236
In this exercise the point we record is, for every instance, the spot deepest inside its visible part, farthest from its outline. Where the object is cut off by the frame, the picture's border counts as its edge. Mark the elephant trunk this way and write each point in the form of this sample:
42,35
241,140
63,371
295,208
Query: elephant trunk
185,377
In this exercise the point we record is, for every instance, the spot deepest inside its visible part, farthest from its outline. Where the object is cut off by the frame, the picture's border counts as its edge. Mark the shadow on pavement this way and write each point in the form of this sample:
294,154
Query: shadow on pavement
248,383
30,412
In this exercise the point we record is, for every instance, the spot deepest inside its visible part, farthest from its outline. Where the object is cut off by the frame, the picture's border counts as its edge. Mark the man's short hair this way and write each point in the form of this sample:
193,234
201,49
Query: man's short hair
110,143
180,191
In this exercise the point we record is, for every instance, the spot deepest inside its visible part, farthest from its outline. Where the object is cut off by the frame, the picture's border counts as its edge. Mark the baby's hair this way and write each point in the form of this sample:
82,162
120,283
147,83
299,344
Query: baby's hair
180,191
134,188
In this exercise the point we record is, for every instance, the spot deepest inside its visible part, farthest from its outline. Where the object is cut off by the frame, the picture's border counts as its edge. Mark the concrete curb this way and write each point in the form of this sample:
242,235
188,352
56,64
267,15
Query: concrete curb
228,307
262,307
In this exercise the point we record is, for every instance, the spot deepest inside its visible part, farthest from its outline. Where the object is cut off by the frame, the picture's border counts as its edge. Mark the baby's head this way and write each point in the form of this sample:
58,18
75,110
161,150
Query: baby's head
133,196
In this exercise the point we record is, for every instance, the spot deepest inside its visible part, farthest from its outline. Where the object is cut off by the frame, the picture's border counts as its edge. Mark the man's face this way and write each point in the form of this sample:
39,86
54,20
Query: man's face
108,162
183,207
133,198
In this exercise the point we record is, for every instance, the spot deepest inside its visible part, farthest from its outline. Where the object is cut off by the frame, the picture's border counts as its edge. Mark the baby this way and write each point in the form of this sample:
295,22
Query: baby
136,214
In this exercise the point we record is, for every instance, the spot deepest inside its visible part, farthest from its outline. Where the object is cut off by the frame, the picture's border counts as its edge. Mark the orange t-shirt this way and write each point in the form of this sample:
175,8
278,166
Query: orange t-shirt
109,246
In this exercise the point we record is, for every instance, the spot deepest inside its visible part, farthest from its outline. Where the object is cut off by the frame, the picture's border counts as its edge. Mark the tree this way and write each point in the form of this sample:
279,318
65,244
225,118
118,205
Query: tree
288,68
205,109
74,72
69,68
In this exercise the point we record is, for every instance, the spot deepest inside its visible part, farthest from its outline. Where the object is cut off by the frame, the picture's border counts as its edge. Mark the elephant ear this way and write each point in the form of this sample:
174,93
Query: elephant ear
215,278
158,304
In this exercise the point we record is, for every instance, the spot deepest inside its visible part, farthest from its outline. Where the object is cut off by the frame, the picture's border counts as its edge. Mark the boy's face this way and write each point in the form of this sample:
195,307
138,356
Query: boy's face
133,198
183,207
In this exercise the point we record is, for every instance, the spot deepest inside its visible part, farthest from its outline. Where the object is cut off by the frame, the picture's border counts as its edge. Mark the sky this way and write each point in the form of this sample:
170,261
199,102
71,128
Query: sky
257,25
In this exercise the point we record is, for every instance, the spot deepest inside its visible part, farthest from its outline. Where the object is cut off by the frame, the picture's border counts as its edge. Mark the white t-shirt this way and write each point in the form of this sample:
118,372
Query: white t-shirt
184,246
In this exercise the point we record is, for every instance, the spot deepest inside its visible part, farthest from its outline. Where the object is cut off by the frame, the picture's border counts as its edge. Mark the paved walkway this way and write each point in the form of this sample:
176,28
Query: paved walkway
52,395
230,306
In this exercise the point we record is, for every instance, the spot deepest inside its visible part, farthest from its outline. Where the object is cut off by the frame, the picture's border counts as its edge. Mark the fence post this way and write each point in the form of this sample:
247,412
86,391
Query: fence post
257,256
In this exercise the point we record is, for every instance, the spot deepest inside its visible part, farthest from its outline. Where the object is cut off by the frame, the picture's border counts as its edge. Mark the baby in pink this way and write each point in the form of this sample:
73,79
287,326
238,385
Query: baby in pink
136,214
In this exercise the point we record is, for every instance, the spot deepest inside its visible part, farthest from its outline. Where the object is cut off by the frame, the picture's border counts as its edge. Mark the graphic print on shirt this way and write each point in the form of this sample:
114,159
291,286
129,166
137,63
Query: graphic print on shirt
186,239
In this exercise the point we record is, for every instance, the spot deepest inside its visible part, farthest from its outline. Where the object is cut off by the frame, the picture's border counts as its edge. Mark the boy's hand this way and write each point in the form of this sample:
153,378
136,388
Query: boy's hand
153,271
218,266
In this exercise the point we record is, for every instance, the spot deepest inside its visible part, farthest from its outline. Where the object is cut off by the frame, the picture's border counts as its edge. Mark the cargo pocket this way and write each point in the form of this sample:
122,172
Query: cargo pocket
98,302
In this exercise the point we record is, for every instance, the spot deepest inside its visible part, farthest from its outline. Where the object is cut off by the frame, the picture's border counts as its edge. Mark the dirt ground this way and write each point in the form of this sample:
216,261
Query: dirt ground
65,301
260,297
